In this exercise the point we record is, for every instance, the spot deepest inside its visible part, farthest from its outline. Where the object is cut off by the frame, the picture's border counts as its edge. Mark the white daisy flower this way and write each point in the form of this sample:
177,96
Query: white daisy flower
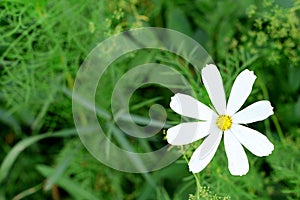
226,119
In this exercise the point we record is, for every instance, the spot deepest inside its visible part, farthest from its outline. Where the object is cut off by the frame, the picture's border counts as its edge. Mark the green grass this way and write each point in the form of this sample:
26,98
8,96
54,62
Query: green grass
44,42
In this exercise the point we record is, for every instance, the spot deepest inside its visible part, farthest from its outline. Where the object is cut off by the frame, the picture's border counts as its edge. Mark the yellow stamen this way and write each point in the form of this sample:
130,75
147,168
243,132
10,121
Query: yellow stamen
224,122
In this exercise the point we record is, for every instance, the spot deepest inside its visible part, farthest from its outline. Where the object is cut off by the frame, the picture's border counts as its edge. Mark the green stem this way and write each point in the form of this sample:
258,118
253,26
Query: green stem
273,117
278,128
197,178
28,192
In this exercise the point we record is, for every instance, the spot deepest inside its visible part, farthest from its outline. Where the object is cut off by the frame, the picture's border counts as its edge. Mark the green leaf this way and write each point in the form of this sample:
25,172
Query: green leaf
67,184
293,78
60,169
178,21
7,119
162,194
11,157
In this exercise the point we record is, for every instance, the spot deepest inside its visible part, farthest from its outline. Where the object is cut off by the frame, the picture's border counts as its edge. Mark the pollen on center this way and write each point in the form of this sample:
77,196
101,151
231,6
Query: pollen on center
224,122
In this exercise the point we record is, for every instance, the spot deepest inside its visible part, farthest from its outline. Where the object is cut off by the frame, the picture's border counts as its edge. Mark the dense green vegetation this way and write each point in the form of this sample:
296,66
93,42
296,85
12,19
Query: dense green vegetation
44,42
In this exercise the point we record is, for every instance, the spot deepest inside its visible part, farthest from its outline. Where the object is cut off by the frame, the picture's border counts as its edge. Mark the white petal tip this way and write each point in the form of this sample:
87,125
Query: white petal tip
169,140
174,103
267,152
251,74
272,110
171,136
210,65
239,173
268,104
193,170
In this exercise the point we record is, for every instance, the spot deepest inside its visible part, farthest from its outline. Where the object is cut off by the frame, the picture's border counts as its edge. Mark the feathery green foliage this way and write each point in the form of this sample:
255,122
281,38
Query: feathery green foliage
44,42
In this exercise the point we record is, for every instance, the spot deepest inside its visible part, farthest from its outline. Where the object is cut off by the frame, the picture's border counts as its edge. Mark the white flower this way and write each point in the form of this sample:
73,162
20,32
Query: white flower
225,120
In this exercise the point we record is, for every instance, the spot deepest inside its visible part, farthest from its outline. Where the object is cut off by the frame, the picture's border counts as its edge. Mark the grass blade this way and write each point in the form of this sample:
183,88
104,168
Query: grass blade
67,184
11,157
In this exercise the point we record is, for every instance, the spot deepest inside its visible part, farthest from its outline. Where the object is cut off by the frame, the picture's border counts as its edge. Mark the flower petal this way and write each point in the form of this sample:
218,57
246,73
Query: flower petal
254,141
188,132
237,159
240,91
204,154
255,112
188,106
214,86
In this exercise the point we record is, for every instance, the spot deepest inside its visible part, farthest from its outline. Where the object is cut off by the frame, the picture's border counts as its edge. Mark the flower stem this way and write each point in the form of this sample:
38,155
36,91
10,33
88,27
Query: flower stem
273,117
278,128
196,176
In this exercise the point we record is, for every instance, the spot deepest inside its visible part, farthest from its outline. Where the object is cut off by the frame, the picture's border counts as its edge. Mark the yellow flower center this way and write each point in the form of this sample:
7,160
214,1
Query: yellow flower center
224,122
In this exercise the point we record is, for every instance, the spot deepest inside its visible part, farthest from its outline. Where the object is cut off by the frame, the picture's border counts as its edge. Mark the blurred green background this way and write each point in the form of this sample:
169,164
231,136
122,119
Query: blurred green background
44,42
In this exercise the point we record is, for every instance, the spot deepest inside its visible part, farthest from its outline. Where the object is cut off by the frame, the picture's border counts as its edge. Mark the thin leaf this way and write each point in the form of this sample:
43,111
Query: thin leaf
11,157
67,184
7,119
60,169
